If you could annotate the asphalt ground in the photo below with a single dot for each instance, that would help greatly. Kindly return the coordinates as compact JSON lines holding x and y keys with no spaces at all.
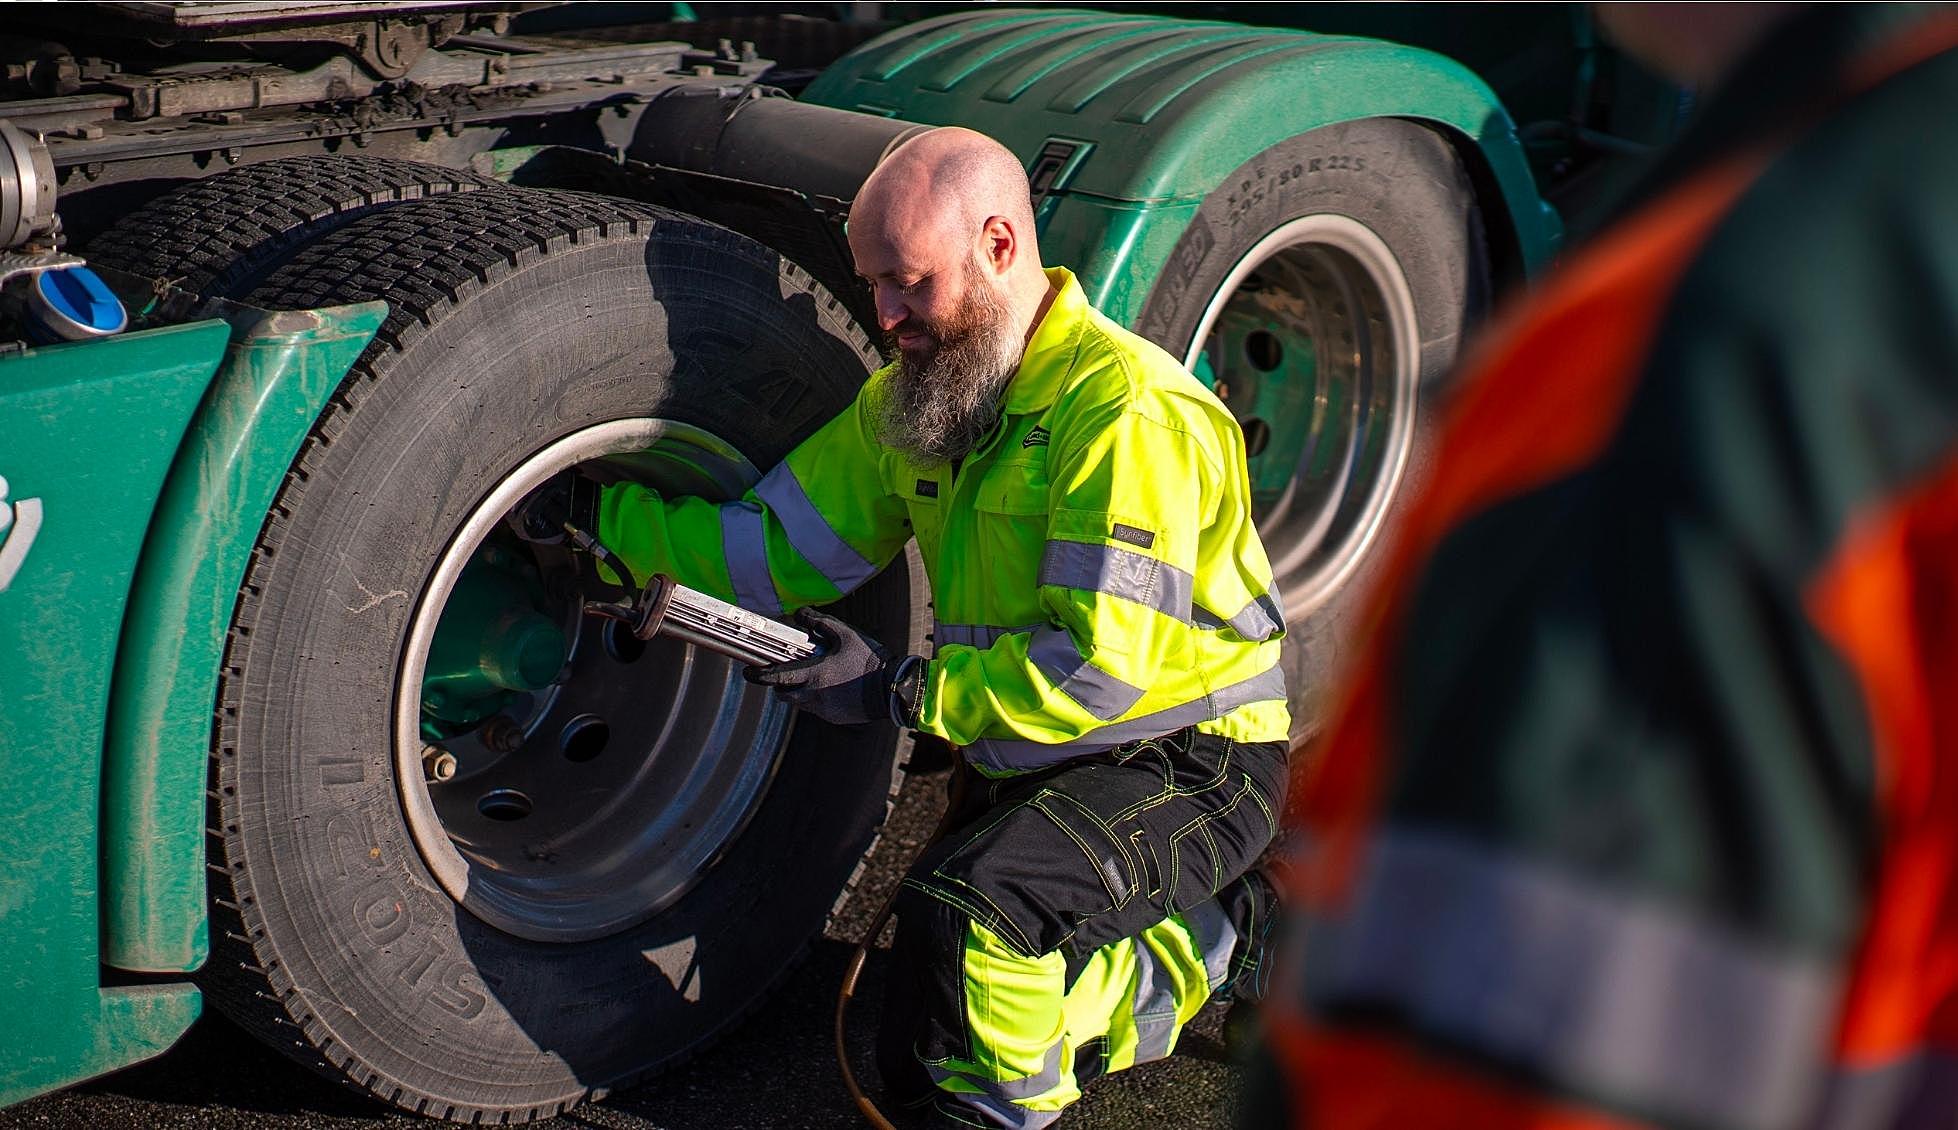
{"x":777,"y":1071}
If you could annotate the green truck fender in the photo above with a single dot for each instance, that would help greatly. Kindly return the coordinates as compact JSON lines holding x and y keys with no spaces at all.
{"x":139,"y":469}
{"x":1126,"y":123}
{"x":280,"y":369}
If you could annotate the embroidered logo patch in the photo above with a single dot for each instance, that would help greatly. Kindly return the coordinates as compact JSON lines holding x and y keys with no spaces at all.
{"x":1142,"y":539}
{"x":927,"y":488}
{"x":1036,"y":438}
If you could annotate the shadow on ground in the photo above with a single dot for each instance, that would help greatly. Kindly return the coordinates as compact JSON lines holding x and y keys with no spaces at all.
{"x":776,"y":1071}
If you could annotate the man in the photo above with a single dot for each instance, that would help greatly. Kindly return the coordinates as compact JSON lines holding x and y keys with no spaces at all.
{"x":1106,"y":647}
{"x":1644,"y":807}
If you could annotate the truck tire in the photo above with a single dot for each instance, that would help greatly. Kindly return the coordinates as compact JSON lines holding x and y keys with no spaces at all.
{"x":221,"y":234}
{"x":646,"y":845}
{"x":1325,"y":287}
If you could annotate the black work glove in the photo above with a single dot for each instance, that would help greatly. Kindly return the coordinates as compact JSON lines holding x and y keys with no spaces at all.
{"x":564,"y":497}
{"x":848,"y":683}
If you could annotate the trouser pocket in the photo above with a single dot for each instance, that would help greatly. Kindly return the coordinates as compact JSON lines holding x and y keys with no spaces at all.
{"x":1034,"y":871}
{"x":1109,"y":845}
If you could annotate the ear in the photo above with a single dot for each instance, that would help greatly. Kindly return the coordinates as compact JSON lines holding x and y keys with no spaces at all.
{"x":999,"y":244}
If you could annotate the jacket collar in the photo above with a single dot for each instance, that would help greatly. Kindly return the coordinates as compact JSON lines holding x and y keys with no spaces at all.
{"x":1050,"y":353}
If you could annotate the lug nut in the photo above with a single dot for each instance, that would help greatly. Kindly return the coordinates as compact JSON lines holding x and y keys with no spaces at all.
{"x":501,"y":734}
{"x":438,"y":764}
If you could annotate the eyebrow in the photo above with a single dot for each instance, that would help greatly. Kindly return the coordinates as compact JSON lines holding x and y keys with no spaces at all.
{"x":900,"y":272}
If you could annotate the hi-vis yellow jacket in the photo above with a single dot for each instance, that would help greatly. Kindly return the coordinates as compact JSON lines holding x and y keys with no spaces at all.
{"x":1096,"y":575}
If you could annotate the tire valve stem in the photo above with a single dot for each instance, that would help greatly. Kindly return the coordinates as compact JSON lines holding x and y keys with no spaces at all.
{"x":596,"y":548}
{"x":438,"y":764}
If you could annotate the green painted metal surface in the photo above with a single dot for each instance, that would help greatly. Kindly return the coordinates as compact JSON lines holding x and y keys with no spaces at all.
{"x":1120,"y":247}
{"x":1171,"y":108}
{"x":117,"y":1027}
{"x":1275,"y":385}
{"x":87,"y":433}
{"x":504,"y":163}
{"x":491,"y":645}
{"x":279,"y":370}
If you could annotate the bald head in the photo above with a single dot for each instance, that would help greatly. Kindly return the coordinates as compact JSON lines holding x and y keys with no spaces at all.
{"x":944,"y":203}
{"x":950,"y":177}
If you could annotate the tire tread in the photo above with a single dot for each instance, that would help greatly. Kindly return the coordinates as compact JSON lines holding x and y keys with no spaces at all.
{"x":424,"y":258}
{"x":214,"y":235}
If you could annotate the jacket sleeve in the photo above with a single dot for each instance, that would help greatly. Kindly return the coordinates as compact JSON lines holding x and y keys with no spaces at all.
{"x":814,"y":528}
{"x":1128,"y":497}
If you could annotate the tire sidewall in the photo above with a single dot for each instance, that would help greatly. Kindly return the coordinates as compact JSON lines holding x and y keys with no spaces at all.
{"x":1405,"y":184}
{"x":691,"y":327}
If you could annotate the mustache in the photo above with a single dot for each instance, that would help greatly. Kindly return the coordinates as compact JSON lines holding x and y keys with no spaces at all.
{"x":934,"y":335}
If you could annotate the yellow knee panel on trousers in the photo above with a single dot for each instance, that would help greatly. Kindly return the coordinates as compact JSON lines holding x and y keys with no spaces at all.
{"x":1025,"y":1023}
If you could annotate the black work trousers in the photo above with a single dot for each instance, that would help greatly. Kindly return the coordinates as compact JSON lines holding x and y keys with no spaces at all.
{"x":1068,"y":860}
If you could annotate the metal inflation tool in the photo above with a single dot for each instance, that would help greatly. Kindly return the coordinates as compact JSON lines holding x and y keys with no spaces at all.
{"x":665,"y":608}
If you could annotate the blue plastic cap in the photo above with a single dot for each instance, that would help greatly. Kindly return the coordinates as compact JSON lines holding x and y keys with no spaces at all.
{"x":74,"y":304}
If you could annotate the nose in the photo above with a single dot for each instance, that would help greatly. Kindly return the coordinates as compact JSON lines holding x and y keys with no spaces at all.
{"x":891,"y":309}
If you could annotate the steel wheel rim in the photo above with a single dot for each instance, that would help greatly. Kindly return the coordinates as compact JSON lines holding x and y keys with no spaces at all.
{"x":1327,"y":289}
{"x":581,"y":832}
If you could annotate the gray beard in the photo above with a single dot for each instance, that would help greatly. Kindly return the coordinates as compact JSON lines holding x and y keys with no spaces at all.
{"x":937,"y":411}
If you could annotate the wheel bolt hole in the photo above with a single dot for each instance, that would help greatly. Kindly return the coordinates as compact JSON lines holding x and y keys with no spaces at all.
{"x":1263,"y":350}
{"x":621,"y":644}
{"x":1257,"y":437}
{"x":584,"y":738}
{"x":504,"y":804}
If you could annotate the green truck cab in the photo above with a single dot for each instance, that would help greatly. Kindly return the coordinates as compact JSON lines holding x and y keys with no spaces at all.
{"x":290,"y":722}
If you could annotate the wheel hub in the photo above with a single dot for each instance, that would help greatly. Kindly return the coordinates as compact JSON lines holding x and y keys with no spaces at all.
{"x":494,"y":643}
{"x":592,"y":778}
{"x":1311,"y":341}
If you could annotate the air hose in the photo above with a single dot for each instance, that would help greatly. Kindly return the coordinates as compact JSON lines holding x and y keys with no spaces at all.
{"x":665,"y":608}
{"x":955,"y":800}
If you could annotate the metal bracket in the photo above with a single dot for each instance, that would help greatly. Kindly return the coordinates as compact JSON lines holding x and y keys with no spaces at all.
{"x":33,"y":262}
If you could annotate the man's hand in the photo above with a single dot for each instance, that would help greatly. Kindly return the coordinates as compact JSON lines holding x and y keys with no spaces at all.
{"x":848,"y":684}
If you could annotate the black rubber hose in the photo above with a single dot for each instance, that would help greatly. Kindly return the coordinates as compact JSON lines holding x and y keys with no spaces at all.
{"x":954,"y":802}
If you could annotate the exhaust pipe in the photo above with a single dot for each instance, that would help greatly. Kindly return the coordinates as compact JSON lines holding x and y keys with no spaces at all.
{"x":813,"y":151}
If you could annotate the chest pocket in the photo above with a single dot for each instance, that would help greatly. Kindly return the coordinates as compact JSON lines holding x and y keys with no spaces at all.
{"x":1016,"y":486}
{"x":1010,"y":520}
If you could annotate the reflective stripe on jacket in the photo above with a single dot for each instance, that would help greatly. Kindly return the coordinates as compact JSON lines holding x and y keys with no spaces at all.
{"x":1093,"y":564}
